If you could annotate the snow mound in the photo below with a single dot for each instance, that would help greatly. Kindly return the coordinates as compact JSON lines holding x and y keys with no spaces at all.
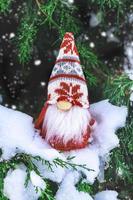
{"x":68,"y":191}
{"x":56,"y":175}
{"x":37,"y":181}
{"x":88,"y":157}
{"x":109,"y":118}
{"x":106,"y":195}
{"x":14,"y":186}
{"x":17,"y":134}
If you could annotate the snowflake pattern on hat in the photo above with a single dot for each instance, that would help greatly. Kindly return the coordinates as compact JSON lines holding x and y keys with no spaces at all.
{"x":68,"y":71}
{"x":67,"y":68}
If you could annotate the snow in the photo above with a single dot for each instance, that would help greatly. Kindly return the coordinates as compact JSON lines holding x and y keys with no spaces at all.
{"x":130,"y":18}
{"x":131,"y":97}
{"x":1,"y":98}
{"x":104,"y":138}
{"x":111,"y":36}
{"x":68,"y":191}
{"x":109,"y":118}
{"x":14,"y":186}
{"x":17,"y":177}
{"x":92,"y":45}
{"x":37,"y":181}
{"x":43,"y":84}
{"x":106,"y":195}
{"x":11,"y":35}
{"x":71,"y":1}
{"x":103,"y":34}
{"x":129,"y":60}
{"x":55,"y":175}
{"x":14,"y":107}
{"x":95,"y":19}
{"x":17,"y":135}
{"x":128,"y":64}
{"x":130,"y":74}
{"x":37,"y":62}
{"x":84,"y":157}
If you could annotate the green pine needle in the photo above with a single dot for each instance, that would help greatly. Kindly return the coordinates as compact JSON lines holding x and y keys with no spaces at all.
{"x":121,"y":157}
{"x":118,"y":89}
{"x":26,"y":35}
{"x":28,"y":161}
{"x":47,"y":193}
{"x":5,"y":6}
{"x":84,"y":187}
{"x":109,"y":3}
{"x":48,"y":10}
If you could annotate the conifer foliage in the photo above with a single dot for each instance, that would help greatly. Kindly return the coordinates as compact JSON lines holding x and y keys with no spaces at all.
{"x":113,"y":77}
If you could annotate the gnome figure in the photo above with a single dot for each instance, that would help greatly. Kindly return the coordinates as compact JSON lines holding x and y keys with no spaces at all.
{"x":65,"y":121}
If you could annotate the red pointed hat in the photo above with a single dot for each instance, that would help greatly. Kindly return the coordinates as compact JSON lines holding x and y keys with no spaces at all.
{"x":67,"y":81}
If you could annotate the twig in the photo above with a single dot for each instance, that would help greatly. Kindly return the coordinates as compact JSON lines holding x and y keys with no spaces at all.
{"x":42,"y":11}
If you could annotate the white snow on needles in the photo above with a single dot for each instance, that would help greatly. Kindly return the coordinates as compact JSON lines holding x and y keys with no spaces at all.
{"x":17,"y":135}
{"x":14,"y":185}
{"x":106,"y":195}
{"x":128,"y":63}
{"x":68,"y":190}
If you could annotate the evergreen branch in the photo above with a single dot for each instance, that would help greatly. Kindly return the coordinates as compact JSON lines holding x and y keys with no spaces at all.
{"x":68,"y":22}
{"x":26,"y":36}
{"x":4,"y":168}
{"x":68,"y":164}
{"x":91,"y":78}
{"x":31,"y":21}
{"x":92,"y":65}
{"x":112,"y":4}
{"x":64,"y":164}
{"x":121,"y":158}
{"x":84,"y":187}
{"x":87,"y":55}
{"x":4,"y":6}
{"x":52,"y":11}
{"x":28,"y":161}
{"x":117,"y":7}
{"x":47,"y":10}
{"x":117,"y":89}
{"x":47,"y":193}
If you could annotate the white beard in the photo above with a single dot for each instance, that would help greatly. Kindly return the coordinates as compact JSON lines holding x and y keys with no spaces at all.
{"x":66,"y":124}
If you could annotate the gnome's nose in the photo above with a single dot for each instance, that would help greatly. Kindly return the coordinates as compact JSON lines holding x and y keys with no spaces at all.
{"x":64,"y":105}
